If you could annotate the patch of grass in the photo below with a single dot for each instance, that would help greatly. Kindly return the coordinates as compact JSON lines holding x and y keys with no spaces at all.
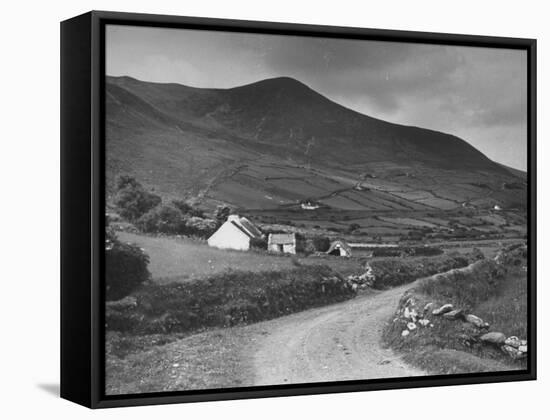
{"x":227,"y":299}
{"x":209,"y":360}
{"x":393,"y":272}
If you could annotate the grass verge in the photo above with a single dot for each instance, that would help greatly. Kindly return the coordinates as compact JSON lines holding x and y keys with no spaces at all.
{"x":225,"y":300}
{"x":493,"y":291}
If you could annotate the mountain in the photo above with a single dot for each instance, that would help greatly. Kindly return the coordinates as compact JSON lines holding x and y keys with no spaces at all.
{"x":237,"y":145}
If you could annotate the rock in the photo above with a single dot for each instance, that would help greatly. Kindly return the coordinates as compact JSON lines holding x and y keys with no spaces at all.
{"x":477,"y":321}
{"x":496,"y":338}
{"x":456,"y":314}
{"x":405,"y":333}
{"x":411,"y":326}
{"x":513,"y":341}
{"x":443,"y":310}
{"x":429,"y":307}
{"x":410,"y":314}
{"x":424,"y":322}
{"x":513,"y":352}
{"x":523,"y":349}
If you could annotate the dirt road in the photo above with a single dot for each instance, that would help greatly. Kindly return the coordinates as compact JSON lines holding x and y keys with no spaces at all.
{"x":338,"y":342}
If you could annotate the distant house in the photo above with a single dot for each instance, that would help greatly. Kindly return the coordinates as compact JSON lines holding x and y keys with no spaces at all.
{"x":339,"y":248}
{"x":309,"y":205}
{"x":235,"y":233}
{"x":282,"y":243}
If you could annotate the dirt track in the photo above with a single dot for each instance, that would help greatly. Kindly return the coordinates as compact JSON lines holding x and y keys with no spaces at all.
{"x":338,"y":342}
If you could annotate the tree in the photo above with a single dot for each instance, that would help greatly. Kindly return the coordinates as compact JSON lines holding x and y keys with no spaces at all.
{"x":132,"y":199}
{"x":222,"y":213}
{"x":163,"y":219}
{"x":125,"y":267}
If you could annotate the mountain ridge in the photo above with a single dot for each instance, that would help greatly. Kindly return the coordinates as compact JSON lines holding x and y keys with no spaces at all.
{"x":229,"y":145}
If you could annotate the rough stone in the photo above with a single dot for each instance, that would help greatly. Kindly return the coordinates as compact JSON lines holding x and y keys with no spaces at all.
{"x":513,"y":341}
{"x":443,"y":309}
{"x":523,"y":349}
{"x":405,"y":333}
{"x":456,"y":314}
{"x":513,"y":352}
{"x":496,"y":338}
{"x":477,"y":321}
{"x":424,"y":322}
{"x":411,"y":326}
{"x":429,"y":307}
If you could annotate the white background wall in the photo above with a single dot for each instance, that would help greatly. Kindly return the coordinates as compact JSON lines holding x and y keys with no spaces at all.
{"x":29,"y":97}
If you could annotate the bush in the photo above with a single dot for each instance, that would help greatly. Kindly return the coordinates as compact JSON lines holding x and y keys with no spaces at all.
{"x":187,"y":208}
{"x":258,"y":243}
{"x":228,"y":299}
{"x":125,"y":267}
{"x":321,"y":243}
{"x":396,"y":271}
{"x":132,"y":200}
{"x":200,"y":227}
{"x":163,"y":219}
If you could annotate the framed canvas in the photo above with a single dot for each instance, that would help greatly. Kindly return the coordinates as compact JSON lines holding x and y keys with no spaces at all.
{"x":254,"y":209}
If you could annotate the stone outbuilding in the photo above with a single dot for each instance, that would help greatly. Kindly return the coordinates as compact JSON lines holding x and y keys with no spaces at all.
{"x":339,"y":248}
{"x":282,"y":243}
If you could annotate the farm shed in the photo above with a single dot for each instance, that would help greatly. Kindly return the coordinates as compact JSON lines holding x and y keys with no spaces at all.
{"x":235,"y":233}
{"x":282,"y":242}
{"x":339,"y":248}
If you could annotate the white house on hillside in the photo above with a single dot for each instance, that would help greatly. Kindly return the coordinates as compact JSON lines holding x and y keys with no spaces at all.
{"x":235,"y":233}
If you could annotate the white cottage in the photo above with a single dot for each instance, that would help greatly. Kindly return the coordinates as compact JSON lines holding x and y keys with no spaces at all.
{"x":235,"y":233}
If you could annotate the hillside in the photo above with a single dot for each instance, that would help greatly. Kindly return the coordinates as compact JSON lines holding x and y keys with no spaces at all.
{"x":273,"y":143}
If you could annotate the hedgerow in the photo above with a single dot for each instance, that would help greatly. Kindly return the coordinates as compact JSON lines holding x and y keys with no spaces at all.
{"x":228,"y":299}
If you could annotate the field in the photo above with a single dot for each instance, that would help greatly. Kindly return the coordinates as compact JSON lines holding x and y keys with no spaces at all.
{"x":175,"y":259}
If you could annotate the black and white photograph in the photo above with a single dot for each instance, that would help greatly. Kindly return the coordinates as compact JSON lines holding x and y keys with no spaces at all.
{"x":287,"y":209}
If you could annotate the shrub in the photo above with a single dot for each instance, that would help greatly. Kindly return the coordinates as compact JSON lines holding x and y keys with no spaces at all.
{"x":321,"y":243}
{"x":200,"y":227}
{"x":396,"y":271}
{"x":132,"y":199}
{"x":187,"y":208}
{"x":163,"y":219}
{"x":227,"y":299}
{"x":258,"y":243}
{"x":125,"y":267}
{"x":221,"y":214}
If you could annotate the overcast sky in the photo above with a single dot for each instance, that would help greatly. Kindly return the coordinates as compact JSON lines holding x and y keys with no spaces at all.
{"x":478,"y":94}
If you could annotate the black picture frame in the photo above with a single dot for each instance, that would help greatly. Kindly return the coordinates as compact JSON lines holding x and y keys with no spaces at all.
{"x":83,"y":203}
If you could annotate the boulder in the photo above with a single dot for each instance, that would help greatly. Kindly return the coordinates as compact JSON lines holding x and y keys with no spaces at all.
{"x":405,"y":333}
{"x":523,"y":349}
{"x":477,"y":321}
{"x":429,"y":307}
{"x":443,"y":309}
{"x":513,"y":352}
{"x":410,"y":314}
{"x":513,"y":341}
{"x":424,"y":322}
{"x":456,"y":314}
{"x":496,"y":338}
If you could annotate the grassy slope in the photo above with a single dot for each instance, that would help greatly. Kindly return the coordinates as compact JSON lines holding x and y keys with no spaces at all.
{"x":212,"y":359}
{"x":183,"y":259}
{"x":452,"y":346}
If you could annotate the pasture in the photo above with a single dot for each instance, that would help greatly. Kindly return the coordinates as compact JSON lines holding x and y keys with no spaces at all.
{"x":174,"y":259}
